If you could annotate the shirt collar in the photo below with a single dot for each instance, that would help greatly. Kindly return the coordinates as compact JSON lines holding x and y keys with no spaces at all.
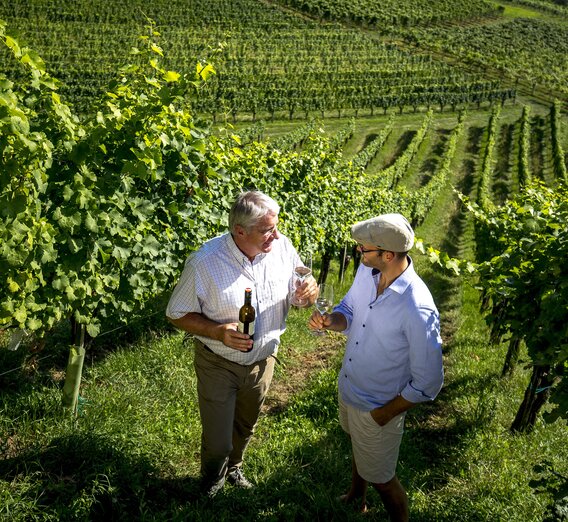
{"x":403,"y":280}
{"x":400,"y":284}
{"x":240,"y":256}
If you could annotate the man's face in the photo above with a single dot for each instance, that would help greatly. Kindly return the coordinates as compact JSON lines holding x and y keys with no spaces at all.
{"x":371,"y":256}
{"x":258,"y":240}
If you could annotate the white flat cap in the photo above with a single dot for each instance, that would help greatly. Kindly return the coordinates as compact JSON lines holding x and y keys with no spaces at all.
{"x":390,"y":232}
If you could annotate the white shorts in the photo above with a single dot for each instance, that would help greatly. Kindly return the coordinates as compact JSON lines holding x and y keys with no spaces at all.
{"x":375,"y":448}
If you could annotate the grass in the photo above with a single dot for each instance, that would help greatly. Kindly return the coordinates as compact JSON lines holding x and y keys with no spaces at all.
{"x":133,"y":451}
{"x":517,"y":11}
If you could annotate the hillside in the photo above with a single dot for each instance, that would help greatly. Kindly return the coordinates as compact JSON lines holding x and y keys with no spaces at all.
{"x":439,"y":110}
{"x":272,"y":62}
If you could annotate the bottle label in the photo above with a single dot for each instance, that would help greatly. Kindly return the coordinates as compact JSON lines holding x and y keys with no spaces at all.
{"x":247,"y":328}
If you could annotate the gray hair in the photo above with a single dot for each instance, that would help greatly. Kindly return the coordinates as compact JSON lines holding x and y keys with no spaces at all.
{"x":249,"y":208}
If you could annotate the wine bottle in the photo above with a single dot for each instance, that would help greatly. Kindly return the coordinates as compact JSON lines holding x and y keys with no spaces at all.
{"x":247,"y":316}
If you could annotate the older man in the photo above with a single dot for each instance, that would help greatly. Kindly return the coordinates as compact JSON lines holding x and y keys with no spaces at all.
{"x":393,"y":356}
{"x":233,"y":371}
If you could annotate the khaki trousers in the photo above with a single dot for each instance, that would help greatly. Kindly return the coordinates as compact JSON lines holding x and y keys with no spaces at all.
{"x":230,"y":397}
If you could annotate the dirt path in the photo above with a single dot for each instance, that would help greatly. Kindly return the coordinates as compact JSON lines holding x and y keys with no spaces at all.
{"x":297,"y":373}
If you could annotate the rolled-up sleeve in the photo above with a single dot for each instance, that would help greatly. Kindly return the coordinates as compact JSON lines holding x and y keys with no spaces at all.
{"x":426,"y":367}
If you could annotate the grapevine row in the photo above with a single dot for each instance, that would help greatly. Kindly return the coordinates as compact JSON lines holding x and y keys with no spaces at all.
{"x":424,"y":198}
{"x":393,"y":12}
{"x":543,"y":6}
{"x":342,"y":136}
{"x":254,"y":132}
{"x":534,"y":51}
{"x":366,"y":156}
{"x":390,"y":176}
{"x":294,"y":139}
{"x":485,"y":176}
{"x":557,"y":151}
{"x":524,"y":147}
{"x":269,"y":63}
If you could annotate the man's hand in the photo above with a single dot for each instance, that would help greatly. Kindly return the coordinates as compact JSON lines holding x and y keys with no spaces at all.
{"x":198,"y":324}
{"x":335,"y":321}
{"x":320,"y":322}
{"x":384,"y":414}
{"x":381,"y":416}
{"x":307,"y":292}
{"x":230,"y":337}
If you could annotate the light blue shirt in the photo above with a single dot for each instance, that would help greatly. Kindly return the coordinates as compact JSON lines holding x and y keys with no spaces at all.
{"x":393,"y":345}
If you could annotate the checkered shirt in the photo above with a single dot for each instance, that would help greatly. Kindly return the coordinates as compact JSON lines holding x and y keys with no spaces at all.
{"x":213,"y":284}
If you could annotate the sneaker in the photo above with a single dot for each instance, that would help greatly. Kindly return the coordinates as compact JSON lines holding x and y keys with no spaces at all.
{"x":236,"y":478}
{"x":210,"y":490}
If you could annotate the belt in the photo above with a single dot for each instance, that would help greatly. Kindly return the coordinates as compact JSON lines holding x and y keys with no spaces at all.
{"x":199,"y":343}
{"x":203,"y":345}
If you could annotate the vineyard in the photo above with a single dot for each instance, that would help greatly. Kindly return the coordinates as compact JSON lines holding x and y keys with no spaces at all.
{"x":117,"y":164}
{"x":268,"y":64}
{"x":402,"y":13}
{"x":534,"y":51}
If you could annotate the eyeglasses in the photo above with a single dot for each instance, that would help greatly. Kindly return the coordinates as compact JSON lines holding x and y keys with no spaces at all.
{"x":366,"y":251}
{"x":269,"y":232}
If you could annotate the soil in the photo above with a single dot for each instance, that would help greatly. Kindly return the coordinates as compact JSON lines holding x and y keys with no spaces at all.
{"x":296,"y":374}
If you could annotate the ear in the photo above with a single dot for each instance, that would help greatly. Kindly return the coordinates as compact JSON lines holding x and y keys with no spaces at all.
{"x":240,"y":230}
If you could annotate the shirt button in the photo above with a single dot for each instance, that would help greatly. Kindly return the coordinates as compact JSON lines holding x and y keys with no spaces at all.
{"x":349,"y":360}
{"x":363,"y":326}
{"x":371,"y":307}
{"x":356,"y":342}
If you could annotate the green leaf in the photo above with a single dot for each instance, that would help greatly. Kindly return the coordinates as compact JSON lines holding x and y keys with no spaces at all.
{"x":20,"y":315}
{"x":151,"y":246}
{"x":67,"y":193}
{"x":13,"y":44}
{"x":91,"y":223}
{"x":434,"y":256}
{"x":121,"y":253}
{"x":171,"y":76}
{"x":204,"y":71}
{"x":152,"y":81}
{"x":34,"y":60}
{"x":157,"y":49}
{"x":61,"y":282}
{"x":20,"y":125}
{"x":33,"y":324}
{"x":452,"y":264}
{"x":93,"y":329}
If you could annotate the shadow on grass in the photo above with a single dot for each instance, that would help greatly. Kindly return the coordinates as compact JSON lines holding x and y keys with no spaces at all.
{"x":85,"y":476}
{"x":502,"y":176}
{"x":401,"y":145}
{"x":29,"y":367}
{"x":474,"y":140}
{"x":444,"y":285}
{"x":430,"y":166}
{"x":369,"y":138}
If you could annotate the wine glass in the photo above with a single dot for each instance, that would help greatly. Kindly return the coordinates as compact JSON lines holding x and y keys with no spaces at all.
{"x":301,"y":273}
{"x":324,"y":302}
